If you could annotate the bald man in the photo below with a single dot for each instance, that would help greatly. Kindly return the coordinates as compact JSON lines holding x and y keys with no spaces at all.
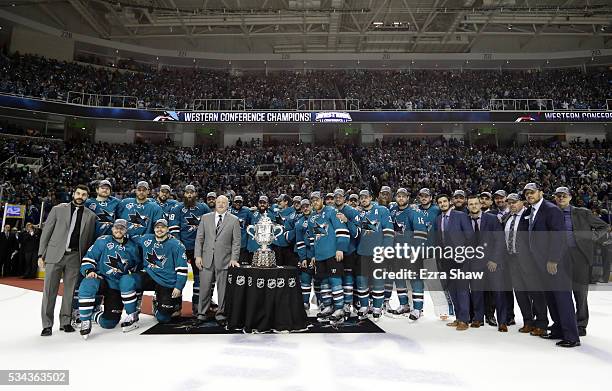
{"x":217,"y":247}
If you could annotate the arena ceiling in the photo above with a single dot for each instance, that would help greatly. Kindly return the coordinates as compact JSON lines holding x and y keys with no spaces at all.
{"x":334,"y":26}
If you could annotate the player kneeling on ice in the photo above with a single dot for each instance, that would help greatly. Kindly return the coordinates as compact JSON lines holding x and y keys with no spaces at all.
{"x":165,"y":270}
{"x":106,"y":268}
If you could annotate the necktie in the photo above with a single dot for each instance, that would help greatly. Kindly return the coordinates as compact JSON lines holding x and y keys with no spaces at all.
{"x":444,"y":225}
{"x":512,"y":236}
{"x":476,"y":227}
{"x":218,"y":224}
{"x":72,"y":224}
{"x":531,"y":215}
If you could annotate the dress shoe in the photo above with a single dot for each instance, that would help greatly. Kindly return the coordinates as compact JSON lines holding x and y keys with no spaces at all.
{"x":462,"y":326}
{"x":511,"y":322}
{"x":582,"y":332}
{"x":526,"y":329}
{"x":502,"y":328}
{"x":222,"y":322}
{"x":537,"y":332}
{"x":551,"y":336}
{"x":67,"y":328}
{"x":454,"y":323}
{"x":476,"y":324}
{"x":568,"y":344}
{"x":491,"y":321}
{"x":46,"y":332}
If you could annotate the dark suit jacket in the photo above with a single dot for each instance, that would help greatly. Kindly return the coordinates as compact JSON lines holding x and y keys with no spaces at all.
{"x":588,"y":229}
{"x":7,"y":245}
{"x":491,"y":237}
{"x":547,"y":235}
{"x":459,"y":231}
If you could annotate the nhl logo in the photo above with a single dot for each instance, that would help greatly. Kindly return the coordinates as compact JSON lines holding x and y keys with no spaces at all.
{"x":260,"y":282}
{"x":92,"y":207}
{"x":147,"y":243}
{"x":184,"y":210}
{"x":230,"y":278}
{"x":110,"y":246}
{"x":240,"y":280}
{"x":250,"y":281}
{"x":292,"y":282}
{"x":280,"y":283}
{"x":272,"y":283}
{"x":129,"y":206}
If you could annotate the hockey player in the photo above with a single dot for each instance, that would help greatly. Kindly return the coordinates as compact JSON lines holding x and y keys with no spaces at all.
{"x":165,"y":270}
{"x":297,"y":205}
{"x":410,"y":228}
{"x":384,"y":196}
{"x":284,"y":215}
{"x":105,"y":207}
{"x":211,"y":199}
{"x":164,"y":201}
{"x":262,"y":209}
{"x":329,"y":239}
{"x":184,"y":220}
{"x":304,"y":253}
{"x":353,"y":200}
{"x":245,"y":216}
{"x":459,"y":201}
{"x":329,"y":199}
{"x":374,"y":228}
{"x":346,"y":213}
{"x":140,"y":212}
{"x":431,"y":212}
{"x":106,"y":268}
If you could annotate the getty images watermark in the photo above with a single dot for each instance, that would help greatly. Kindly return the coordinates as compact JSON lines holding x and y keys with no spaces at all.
{"x":401,"y":253}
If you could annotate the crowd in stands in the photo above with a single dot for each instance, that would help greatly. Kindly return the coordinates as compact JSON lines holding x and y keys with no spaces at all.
{"x":442,"y":165}
{"x":179,"y":89}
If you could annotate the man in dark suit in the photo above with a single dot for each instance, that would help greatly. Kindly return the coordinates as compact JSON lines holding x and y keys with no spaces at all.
{"x":8,"y":245}
{"x":453,"y":229}
{"x":29,"y":240}
{"x":523,"y":271}
{"x":487,"y":235}
{"x":547,"y":246}
{"x":583,"y":229}
{"x":66,"y":236}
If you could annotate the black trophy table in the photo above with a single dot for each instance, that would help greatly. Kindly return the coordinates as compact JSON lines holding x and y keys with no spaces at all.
{"x":263,"y":300}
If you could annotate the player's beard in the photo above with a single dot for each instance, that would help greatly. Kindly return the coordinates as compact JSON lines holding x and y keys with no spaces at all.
{"x":161,"y":237}
{"x":189,"y":202}
{"x":262,"y":209}
{"x":119,"y":239}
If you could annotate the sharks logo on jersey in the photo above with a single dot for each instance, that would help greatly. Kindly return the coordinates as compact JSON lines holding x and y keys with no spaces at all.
{"x":104,"y":216}
{"x":155,"y":261}
{"x":137,"y":219}
{"x":193,"y":221}
{"x":116,"y":264}
{"x":398,"y":227}
{"x":367,"y":224}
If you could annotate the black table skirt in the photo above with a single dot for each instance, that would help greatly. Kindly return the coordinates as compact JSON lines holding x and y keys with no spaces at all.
{"x":259,"y":299}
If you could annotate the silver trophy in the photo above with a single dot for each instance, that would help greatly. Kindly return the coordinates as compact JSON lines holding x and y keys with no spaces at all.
{"x":264,"y":233}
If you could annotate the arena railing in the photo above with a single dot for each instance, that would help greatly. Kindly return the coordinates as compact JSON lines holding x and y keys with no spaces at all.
{"x":521,"y":105}
{"x":347,"y":104}
{"x":100,"y":100}
{"x":218,"y":105}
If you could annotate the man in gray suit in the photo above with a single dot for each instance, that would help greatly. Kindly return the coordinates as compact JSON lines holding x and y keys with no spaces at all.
{"x":65,"y":238}
{"x":583,"y":229}
{"x":217,"y":246}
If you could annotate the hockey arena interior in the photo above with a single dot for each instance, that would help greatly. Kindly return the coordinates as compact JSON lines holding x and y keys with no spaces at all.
{"x":303,"y":194}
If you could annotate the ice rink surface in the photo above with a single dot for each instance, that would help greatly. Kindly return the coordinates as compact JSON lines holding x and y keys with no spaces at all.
{"x":424,"y":355}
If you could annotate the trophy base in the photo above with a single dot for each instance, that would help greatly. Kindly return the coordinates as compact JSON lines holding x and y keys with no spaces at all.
{"x":264,"y":258}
